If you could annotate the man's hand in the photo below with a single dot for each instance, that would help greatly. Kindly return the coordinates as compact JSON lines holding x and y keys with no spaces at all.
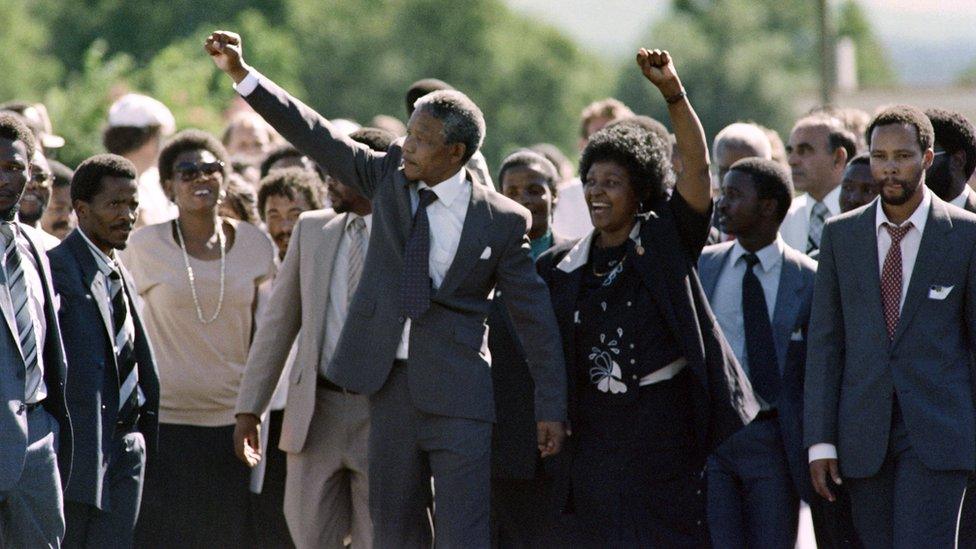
{"x":226,"y":50}
{"x":550,"y":437}
{"x":819,"y":470}
{"x":247,"y":439}
{"x":659,"y":70}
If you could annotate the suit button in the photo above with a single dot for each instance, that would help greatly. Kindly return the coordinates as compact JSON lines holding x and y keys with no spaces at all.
{"x":103,"y":406}
{"x":402,"y":319}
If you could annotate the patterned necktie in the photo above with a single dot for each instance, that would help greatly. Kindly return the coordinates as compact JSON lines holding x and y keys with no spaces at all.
{"x":415,"y":278}
{"x":124,"y":349}
{"x":891,"y":278}
{"x":17,"y":285}
{"x":760,"y":347}
{"x":818,"y":216}
{"x":357,"y":253}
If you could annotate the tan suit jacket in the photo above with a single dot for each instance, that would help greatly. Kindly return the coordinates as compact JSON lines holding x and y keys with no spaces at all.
{"x":298,"y":301}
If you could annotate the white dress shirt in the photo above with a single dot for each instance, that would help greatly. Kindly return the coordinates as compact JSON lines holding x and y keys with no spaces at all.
{"x":909,"y":252}
{"x":446,"y":216}
{"x":795,"y":228}
{"x":35,"y":296}
{"x":338,"y":307}
{"x":727,"y":297}
{"x":960,"y":201}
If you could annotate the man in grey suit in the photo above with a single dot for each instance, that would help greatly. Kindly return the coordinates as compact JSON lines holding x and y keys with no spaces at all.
{"x":955,"y":158}
{"x":760,"y":290}
{"x":35,"y":433}
{"x":415,"y":340}
{"x":889,"y":382}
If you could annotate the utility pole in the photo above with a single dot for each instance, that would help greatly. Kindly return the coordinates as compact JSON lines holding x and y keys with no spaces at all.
{"x":826,"y":53}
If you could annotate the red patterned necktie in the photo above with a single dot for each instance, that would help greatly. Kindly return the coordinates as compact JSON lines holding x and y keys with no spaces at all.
{"x":891,"y":278}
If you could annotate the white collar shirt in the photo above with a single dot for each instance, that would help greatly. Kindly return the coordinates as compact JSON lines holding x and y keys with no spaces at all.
{"x":727,"y":298}
{"x":446,"y":216}
{"x":909,"y":244}
{"x":35,"y":297}
{"x":338,"y":307}
{"x":795,"y":228}
{"x":960,"y":201}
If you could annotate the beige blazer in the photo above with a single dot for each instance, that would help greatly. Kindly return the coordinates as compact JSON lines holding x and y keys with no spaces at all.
{"x":298,"y":300}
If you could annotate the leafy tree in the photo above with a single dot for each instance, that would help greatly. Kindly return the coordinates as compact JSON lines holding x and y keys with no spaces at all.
{"x":873,"y":66}
{"x":26,"y":64}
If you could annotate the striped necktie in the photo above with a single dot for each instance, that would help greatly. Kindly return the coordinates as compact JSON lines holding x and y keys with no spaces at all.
{"x":357,"y":254}
{"x":17,"y":285}
{"x":124,"y":349}
{"x":818,"y":216}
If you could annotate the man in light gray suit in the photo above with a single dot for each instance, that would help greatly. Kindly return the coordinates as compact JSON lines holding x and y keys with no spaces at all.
{"x":415,"y":336}
{"x":35,"y":434}
{"x":888,"y":393}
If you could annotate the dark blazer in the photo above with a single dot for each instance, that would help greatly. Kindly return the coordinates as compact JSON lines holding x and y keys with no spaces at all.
{"x":672,"y":236}
{"x":514,"y":453}
{"x":790,"y":321}
{"x":853,"y":372}
{"x":87,"y":331}
{"x":13,"y":414}
{"x":448,"y":373}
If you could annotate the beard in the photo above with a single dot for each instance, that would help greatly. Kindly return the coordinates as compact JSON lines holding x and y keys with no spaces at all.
{"x":10,"y":213}
{"x":908,"y":190}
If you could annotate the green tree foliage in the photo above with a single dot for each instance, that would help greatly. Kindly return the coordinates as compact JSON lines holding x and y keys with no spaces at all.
{"x":347,"y":58}
{"x":747,"y":59}
{"x":25,"y":53}
{"x":873,"y":66}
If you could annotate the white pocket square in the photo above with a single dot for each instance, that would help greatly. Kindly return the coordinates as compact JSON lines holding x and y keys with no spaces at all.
{"x":939,"y":292}
{"x":797,"y":335}
{"x":487,"y":253}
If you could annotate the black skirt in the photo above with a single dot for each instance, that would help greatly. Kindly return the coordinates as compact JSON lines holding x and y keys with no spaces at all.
{"x":196,"y":491}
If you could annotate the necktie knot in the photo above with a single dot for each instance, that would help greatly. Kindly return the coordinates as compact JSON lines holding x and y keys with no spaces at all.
{"x":897,"y":233}
{"x":819,"y":210}
{"x":427,"y":197}
{"x":751,"y":260}
{"x":357,"y":224}
{"x":7,"y":231}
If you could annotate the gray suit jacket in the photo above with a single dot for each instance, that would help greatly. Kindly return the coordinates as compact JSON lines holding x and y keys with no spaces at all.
{"x":448,"y":370}
{"x":92,"y":386}
{"x":13,"y":413}
{"x":298,"y":302}
{"x":790,"y":322}
{"x":854,"y":373}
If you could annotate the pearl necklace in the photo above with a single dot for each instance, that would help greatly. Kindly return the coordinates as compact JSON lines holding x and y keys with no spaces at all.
{"x":189,"y":272}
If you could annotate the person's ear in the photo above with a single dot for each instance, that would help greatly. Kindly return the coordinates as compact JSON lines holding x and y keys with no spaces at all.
{"x":167,"y":186}
{"x":927,"y":157}
{"x":457,"y":153}
{"x":80,"y":207}
{"x":840,"y":157}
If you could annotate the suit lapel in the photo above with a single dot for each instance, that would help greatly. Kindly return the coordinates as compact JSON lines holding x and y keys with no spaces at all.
{"x":6,"y":304}
{"x":404,"y":208}
{"x":471,"y":244}
{"x":709,"y":271}
{"x":865,"y":258}
{"x":323,"y":263}
{"x":931,"y":249}
{"x":93,"y":279}
{"x":650,"y":239}
{"x":791,"y":286}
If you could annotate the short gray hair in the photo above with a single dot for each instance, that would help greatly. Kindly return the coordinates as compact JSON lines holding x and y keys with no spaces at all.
{"x":462,"y":119}
{"x":744,"y":135}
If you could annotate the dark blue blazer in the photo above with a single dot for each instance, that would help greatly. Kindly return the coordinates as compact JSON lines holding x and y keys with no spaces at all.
{"x":92,"y":384}
{"x":790,"y":320}
{"x":514,"y":443}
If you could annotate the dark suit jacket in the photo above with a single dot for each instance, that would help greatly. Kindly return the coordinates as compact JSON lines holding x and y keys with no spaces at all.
{"x":514,"y":452}
{"x":790,"y":321}
{"x":87,"y":331}
{"x":672,"y":237}
{"x":13,"y":416}
{"x":448,"y":373}
{"x":853,"y":372}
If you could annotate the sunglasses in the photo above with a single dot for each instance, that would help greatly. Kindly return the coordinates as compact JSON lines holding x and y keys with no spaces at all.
{"x":41,"y":179}
{"x":188,"y":171}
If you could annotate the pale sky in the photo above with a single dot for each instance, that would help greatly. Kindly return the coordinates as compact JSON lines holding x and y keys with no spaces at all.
{"x":928,"y":41}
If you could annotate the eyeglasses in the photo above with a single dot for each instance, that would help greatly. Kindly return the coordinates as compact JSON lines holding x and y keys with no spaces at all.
{"x":188,"y":171}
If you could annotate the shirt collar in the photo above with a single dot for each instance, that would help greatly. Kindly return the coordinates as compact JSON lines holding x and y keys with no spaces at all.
{"x":105,"y":263}
{"x":368,"y":218}
{"x":960,"y":201}
{"x":769,"y":257}
{"x":918,"y":217}
{"x":449,"y":189}
{"x":831,"y":200}
{"x":580,"y":253}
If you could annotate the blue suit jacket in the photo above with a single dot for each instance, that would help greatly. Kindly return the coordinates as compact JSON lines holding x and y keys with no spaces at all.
{"x":791,"y":317}
{"x":854,"y":372}
{"x":13,"y":415}
{"x":86,"y":325}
